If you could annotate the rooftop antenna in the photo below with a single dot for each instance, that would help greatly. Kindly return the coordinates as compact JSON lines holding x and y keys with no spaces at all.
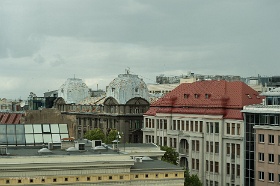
{"x":127,"y":70}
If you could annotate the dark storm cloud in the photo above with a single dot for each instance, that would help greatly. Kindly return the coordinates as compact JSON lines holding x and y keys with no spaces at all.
{"x":96,"y":40}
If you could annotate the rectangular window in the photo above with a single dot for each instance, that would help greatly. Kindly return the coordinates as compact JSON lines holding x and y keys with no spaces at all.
{"x":201,"y":126}
{"x":178,"y":124}
{"x":197,"y":145}
{"x":211,"y":128}
{"x":165,"y":123}
{"x":187,"y":125}
{"x":238,"y":170}
{"x":191,"y":126}
{"x":261,"y":175}
{"x":207,"y":146}
{"x":207,"y":165}
{"x":207,"y":127}
{"x":183,"y":125}
{"x":196,"y":126}
{"x":174,"y":124}
{"x":216,"y":167}
{"x":228,"y":128}
{"x":261,"y":156}
{"x":228,"y":148}
{"x":238,"y":149}
{"x":228,"y":168}
{"x":211,"y":146}
{"x":233,"y":129}
{"x":271,"y":177}
{"x":216,"y":147}
{"x":193,"y":145}
{"x":271,"y":139}
{"x":238,"y":129}
{"x":216,"y":127}
{"x":211,"y":166}
{"x":197,"y":164}
{"x":261,"y":138}
{"x":271,"y":158}
{"x":193,"y":163}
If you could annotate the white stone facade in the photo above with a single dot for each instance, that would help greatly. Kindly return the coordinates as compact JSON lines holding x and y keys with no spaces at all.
{"x":208,"y":145}
{"x":127,"y":86}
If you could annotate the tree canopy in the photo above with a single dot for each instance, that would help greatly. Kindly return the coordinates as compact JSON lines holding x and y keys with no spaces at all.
{"x":170,"y":155}
{"x":111,"y":136}
{"x":192,"y":180}
{"x":95,"y":134}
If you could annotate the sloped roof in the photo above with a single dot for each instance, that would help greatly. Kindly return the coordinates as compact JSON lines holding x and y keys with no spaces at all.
{"x":10,"y":118}
{"x":207,"y":97}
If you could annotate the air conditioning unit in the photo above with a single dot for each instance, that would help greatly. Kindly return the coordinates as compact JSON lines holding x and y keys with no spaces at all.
{"x":50,"y":145}
{"x":96,"y":143}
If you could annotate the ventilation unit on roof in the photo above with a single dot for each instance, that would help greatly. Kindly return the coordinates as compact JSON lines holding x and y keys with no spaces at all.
{"x":50,"y":145}
{"x":96,"y":143}
{"x":80,"y":146}
{"x":3,"y":150}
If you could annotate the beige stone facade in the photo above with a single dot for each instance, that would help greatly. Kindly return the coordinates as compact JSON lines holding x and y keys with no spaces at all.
{"x":267,"y":156}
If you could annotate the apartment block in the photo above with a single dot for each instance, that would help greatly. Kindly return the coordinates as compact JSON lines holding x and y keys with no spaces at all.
{"x":203,"y":122}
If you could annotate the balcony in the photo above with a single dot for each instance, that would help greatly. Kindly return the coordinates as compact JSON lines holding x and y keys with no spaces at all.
{"x":184,"y":151}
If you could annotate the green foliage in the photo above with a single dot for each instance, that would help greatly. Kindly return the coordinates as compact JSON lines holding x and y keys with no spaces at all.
{"x":95,"y":134}
{"x":170,"y":155}
{"x":192,"y":180}
{"x":112,"y":135}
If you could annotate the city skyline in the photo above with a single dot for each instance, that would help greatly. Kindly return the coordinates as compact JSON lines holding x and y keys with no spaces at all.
{"x":45,"y":42}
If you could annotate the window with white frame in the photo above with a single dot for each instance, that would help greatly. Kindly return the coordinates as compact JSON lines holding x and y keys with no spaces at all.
{"x":261,"y":138}
{"x":261,"y":156}
{"x":271,"y":158}
{"x":271,"y":139}
{"x":261,"y":175}
{"x":271,"y":177}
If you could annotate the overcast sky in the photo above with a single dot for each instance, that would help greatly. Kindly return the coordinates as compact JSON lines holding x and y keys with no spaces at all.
{"x":44,"y":42}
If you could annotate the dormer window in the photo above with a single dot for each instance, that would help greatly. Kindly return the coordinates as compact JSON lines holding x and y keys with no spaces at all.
{"x":248,"y":95}
{"x":113,"y":89}
{"x":136,"y":89}
{"x":207,"y":96}
{"x":186,"y":96}
{"x":196,"y":95}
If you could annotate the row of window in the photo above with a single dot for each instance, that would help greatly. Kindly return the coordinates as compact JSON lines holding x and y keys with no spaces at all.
{"x":211,"y":148}
{"x":271,"y":139}
{"x":195,"y":164}
{"x":270,"y":157}
{"x":89,"y":178}
{"x":270,"y":176}
{"x":233,"y":169}
{"x":233,"y":149}
{"x":233,"y":129}
{"x":214,"y":166}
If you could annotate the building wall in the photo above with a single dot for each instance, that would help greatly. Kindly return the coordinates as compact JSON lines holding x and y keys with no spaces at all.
{"x":76,"y":170}
{"x":267,"y":157}
{"x":208,"y":146}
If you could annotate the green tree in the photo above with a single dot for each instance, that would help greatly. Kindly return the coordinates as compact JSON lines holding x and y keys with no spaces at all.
{"x":192,"y":180}
{"x":95,"y":134}
{"x":170,"y":155}
{"x":111,"y":136}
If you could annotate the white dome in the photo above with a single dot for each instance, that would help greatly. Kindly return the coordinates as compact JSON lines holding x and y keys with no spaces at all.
{"x":73,"y":90}
{"x":126,"y":87}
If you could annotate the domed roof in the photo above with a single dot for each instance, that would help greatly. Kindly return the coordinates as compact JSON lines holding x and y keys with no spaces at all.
{"x":73,"y":90}
{"x":127,"y":86}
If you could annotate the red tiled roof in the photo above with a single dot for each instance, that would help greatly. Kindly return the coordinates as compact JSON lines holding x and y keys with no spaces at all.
{"x":10,"y":118}
{"x":207,"y":97}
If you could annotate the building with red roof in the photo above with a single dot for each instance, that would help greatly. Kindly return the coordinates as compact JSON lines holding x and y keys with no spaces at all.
{"x":204,"y":123}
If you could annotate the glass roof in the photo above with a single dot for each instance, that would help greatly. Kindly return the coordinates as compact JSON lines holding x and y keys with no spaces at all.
{"x":32,"y":134}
